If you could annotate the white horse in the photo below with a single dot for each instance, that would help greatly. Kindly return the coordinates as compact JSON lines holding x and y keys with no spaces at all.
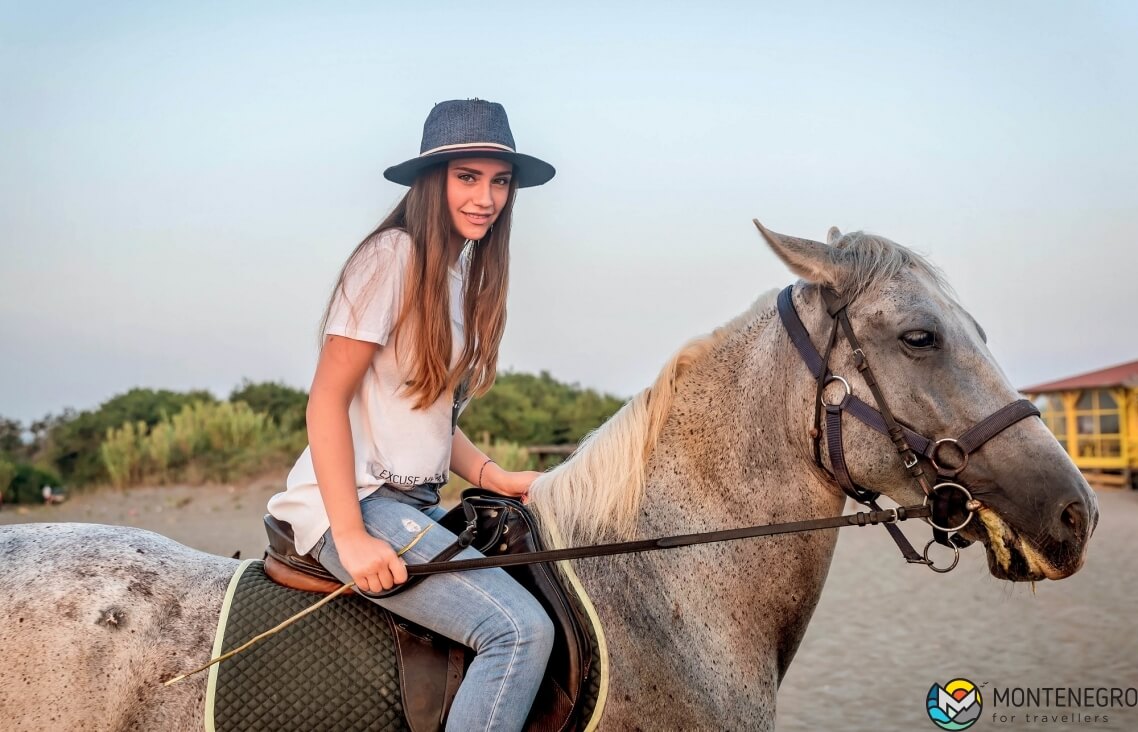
{"x":95,"y":617}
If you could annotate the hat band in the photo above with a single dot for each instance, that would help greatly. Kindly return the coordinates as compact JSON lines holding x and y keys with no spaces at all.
{"x":468,"y":145}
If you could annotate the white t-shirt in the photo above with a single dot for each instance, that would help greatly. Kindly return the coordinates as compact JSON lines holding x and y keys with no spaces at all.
{"x":394,"y":443}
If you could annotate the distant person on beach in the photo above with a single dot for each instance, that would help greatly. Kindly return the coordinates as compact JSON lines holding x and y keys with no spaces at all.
{"x":410,"y":334}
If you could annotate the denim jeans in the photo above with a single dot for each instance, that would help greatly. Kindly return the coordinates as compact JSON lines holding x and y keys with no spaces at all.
{"x":484,"y":609}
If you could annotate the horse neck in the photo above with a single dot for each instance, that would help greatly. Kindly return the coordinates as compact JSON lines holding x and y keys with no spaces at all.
{"x":732,"y":453}
{"x":736,"y":439}
{"x":726,"y":420}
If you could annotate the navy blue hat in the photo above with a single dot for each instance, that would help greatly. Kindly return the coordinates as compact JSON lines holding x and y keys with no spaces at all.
{"x":470,"y":128}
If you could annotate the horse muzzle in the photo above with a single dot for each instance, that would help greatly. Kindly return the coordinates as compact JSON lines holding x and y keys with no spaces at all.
{"x":1047,"y":543}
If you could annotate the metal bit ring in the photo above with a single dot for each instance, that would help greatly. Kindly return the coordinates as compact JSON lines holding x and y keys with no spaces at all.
{"x":968,"y":501}
{"x":941,"y":570}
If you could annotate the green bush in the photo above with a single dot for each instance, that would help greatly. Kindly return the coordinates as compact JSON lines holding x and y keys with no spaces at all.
{"x":74,"y":444}
{"x":537,"y":410}
{"x":217,"y":441}
{"x":11,"y":437}
{"x":27,"y":484}
{"x":7,"y":475}
{"x":192,"y":437}
{"x":284,"y":404}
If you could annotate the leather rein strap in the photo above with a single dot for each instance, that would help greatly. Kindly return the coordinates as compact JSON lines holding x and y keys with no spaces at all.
{"x":909,"y":443}
{"x":887,"y":517}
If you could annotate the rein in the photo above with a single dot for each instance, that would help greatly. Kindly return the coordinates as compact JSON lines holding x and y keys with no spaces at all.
{"x":887,"y":517}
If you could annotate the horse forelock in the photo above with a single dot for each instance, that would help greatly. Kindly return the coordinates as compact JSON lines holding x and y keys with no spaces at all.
{"x":598,"y":491}
{"x":866,"y":262}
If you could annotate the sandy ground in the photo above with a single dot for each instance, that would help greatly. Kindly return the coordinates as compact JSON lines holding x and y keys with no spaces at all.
{"x":220,"y":519}
{"x":883,"y":632}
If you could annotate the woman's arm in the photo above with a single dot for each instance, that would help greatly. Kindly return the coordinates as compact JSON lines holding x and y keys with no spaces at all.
{"x":343,"y":362}
{"x":472,"y":464}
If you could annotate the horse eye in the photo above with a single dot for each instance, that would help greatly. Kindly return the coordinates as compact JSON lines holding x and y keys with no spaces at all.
{"x":919,"y":339}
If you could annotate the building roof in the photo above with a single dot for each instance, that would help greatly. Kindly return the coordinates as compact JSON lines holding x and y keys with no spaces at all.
{"x":1122,"y":374}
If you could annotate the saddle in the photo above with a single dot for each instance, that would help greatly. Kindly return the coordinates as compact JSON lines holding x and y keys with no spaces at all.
{"x":432,"y":667}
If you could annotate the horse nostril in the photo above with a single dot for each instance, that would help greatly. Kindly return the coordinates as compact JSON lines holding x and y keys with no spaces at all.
{"x":1074,"y":517}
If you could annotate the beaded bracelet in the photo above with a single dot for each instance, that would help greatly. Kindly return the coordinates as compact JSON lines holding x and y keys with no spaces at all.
{"x":488,"y":461}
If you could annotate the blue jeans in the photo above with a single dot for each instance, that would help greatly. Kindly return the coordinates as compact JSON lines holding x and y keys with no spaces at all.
{"x":484,"y":609}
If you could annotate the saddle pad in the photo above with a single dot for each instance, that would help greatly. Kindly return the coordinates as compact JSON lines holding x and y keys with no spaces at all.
{"x":594,"y":693}
{"x":335,"y":669}
{"x":332,"y":670}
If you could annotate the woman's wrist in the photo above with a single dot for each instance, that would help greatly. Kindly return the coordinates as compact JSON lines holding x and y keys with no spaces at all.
{"x":488,"y":474}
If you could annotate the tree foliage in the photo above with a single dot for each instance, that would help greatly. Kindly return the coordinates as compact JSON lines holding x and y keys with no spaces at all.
{"x":74,"y":444}
{"x":27,"y":482}
{"x":284,"y":404}
{"x":205,"y":441}
{"x":537,"y":410}
{"x":11,"y":437}
{"x":162,"y":435}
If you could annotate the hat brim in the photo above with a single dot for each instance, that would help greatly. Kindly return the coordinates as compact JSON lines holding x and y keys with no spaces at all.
{"x":528,"y":170}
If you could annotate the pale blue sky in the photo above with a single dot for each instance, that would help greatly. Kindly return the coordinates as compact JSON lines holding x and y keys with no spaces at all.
{"x":178,"y":187}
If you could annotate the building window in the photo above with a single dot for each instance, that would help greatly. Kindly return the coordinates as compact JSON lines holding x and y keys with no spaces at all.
{"x":1098,"y":423}
{"x":1054,"y":416}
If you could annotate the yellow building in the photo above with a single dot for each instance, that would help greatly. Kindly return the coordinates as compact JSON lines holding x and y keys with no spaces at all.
{"x":1095,"y":417}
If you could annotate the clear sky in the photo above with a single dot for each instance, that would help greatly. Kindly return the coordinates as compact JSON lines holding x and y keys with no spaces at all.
{"x":178,"y":187}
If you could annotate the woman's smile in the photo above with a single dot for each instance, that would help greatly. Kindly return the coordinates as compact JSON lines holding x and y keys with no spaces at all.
{"x":477,"y":190}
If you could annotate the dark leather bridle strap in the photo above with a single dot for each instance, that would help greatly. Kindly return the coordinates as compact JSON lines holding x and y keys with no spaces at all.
{"x":798,"y":334}
{"x":837,"y":307}
{"x":994,"y":424}
{"x":908,"y":442}
{"x":969,"y":442}
{"x":871,"y":418}
{"x":814,"y":362}
{"x":842,"y":474}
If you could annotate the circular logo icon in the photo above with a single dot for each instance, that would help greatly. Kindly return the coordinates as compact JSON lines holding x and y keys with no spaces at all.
{"x":956,"y":705}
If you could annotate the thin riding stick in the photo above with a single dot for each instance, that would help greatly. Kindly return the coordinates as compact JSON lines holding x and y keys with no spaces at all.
{"x":284,"y":624}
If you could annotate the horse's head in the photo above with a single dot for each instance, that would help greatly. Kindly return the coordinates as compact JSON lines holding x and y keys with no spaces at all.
{"x":1034,"y":510}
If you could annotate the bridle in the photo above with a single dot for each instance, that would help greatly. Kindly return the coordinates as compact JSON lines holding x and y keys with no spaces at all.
{"x":946,"y":494}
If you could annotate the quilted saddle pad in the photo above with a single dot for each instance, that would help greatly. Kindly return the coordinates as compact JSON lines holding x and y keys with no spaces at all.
{"x":333,"y":670}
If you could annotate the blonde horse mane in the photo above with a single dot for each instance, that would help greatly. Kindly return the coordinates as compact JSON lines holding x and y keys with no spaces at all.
{"x":598,"y":491}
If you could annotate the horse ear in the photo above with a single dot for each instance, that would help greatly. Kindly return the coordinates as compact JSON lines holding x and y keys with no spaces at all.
{"x":808,"y":259}
{"x":833,"y":235}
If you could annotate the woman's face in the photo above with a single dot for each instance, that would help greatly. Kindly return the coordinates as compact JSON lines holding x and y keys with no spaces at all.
{"x":477,"y":189}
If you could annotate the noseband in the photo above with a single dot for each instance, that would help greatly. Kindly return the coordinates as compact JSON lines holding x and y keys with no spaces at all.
{"x":911,"y":445}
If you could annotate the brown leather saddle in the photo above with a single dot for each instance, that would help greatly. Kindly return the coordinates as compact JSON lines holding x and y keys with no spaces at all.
{"x":431,"y":666}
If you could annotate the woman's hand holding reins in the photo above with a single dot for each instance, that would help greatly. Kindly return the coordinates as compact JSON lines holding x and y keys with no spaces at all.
{"x":372,"y":562}
{"x":508,"y":483}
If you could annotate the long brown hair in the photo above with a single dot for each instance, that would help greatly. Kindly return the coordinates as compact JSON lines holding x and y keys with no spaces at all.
{"x":424,"y":315}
